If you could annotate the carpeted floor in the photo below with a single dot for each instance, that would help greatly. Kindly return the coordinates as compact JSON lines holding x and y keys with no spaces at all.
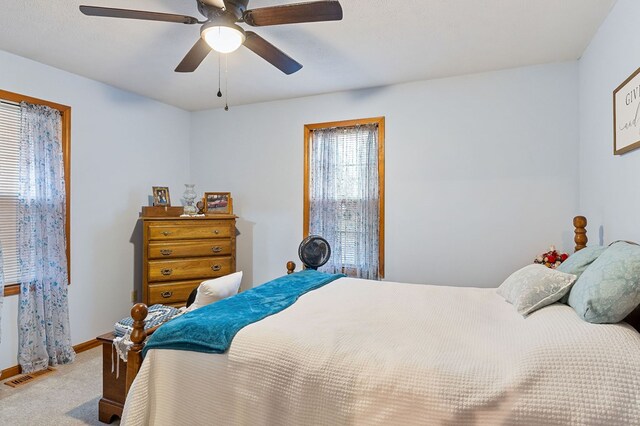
{"x":68,"y":396}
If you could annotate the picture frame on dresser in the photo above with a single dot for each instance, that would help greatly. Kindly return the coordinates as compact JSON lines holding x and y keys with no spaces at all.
{"x":161,"y":196}
{"x":218,"y":203}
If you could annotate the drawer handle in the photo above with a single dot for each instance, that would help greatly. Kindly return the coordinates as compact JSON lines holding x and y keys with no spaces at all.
{"x":216,"y":231}
{"x":166,"y":294}
{"x":216,"y":267}
{"x":166,"y":271}
{"x":166,"y":233}
{"x":166,"y":252}
{"x":216,"y":249}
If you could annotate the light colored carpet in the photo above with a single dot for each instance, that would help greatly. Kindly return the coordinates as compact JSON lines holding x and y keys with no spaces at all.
{"x":68,"y":396}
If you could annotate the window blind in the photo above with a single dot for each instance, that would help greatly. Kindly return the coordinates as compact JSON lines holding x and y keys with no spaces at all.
{"x":9,"y":173}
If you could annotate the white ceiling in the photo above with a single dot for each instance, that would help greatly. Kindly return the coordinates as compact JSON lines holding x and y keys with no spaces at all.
{"x":379,"y":42}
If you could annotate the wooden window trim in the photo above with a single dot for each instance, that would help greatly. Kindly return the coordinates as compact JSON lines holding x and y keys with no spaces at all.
{"x":308,"y":128}
{"x":65,"y":113}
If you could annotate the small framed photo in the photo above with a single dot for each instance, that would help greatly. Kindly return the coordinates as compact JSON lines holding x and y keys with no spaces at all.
{"x":161,"y":196}
{"x":218,"y":203}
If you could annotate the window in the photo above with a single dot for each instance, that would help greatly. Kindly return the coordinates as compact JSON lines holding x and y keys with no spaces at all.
{"x":9,"y":169}
{"x":344,"y":193}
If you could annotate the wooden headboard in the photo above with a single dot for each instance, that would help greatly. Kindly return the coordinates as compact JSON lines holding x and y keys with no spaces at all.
{"x":580,"y":232}
{"x":580,"y":238}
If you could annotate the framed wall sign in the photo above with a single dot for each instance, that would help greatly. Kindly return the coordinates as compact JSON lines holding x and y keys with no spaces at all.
{"x":626,"y":115}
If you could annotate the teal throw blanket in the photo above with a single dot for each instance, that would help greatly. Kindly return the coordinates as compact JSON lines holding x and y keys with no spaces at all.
{"x":211,"y":328}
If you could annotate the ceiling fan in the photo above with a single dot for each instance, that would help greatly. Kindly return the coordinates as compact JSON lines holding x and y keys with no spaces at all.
{"x":221,"y":33}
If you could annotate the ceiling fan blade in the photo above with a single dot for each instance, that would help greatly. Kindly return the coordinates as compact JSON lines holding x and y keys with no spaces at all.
{"x":294,"y":13}
{"x":137,"y":14}
{"x":270,"y":53}
{"x":194,"y":57}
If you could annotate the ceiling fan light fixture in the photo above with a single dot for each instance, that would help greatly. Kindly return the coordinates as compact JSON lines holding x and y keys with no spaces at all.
{"x":223,"y":38}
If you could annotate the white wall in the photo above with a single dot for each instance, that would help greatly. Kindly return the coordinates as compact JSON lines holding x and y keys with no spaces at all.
{"x":609,"y":185}
{"x":121,"y":145}
{"x":481,"y":172}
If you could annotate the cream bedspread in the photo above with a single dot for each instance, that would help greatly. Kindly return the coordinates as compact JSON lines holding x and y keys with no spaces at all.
{"x":372,"y":353}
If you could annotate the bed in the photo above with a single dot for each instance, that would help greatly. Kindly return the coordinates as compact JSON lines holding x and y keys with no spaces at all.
{"x":366,"y":352}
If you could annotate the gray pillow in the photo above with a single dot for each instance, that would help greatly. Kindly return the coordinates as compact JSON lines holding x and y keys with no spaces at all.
{"x":609,"y":289}
{"x":580,"y":260}
{"x":534,"y":287}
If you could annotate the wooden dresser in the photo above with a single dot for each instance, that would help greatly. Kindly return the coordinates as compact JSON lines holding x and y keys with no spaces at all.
{"x":179,"y":253}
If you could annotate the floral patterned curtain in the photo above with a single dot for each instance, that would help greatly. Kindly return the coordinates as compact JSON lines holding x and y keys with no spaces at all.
{"x":43,"y":313}
{"x":344,"y":197}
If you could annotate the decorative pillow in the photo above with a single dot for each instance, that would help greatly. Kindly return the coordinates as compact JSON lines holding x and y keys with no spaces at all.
{"x":157,"y":314}
{"x":580,"y":260}
{"x":609,"y":289}
{"x":534,"y":287}
{"x":216,"y":289}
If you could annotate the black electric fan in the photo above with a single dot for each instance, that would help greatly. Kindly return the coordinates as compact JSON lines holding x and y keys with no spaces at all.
{"x":314,"y":251}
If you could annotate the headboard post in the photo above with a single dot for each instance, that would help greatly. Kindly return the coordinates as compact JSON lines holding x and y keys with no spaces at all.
{"x":138,"y":336}
{"x":291,"y":267}
{"x":580,"y":223}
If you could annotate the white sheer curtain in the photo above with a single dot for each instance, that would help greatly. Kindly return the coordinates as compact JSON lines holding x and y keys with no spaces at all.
{"x":43,"y":315}
{"x":344,"y":203}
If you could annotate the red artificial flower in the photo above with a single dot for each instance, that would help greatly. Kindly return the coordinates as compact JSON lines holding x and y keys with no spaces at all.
{"x":551,"y":259}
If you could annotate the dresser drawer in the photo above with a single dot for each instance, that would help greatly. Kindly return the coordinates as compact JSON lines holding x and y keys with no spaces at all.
{"x":170,"y":293}
{"x":184,"y":269}
{"x":169,"y":250}
{"x":180,"y":231}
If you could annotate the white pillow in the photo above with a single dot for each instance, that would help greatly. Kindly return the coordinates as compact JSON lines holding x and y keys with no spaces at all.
{"x":216,"y":289}
{"x":534,"y":287}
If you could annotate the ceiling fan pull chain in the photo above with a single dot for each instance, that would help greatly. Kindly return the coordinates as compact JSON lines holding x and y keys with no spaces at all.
{"x":226,"y":82}
{"x":219,"y":71}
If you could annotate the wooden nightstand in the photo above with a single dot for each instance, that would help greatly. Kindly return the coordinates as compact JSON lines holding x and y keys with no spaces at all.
{"x":113,"y":389}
